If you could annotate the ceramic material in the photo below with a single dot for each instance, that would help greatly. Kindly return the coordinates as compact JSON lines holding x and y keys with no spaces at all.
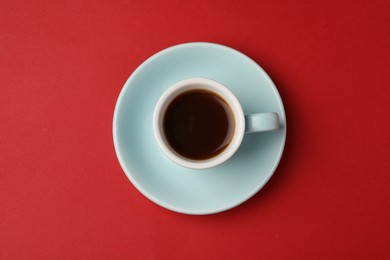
{"x":251,"y":123}
{"x":188,"y":190}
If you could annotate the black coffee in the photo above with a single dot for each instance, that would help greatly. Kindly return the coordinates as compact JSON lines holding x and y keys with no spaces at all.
{"x":198,"y":124}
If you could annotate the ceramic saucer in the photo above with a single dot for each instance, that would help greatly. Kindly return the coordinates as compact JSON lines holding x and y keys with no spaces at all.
{"x":175,"y":187}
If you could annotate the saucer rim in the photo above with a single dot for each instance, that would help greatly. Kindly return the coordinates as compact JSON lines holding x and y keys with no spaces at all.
{"x":121,"y":160}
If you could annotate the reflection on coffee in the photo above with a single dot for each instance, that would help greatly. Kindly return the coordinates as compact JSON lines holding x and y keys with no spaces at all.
{"x":198,"y":124}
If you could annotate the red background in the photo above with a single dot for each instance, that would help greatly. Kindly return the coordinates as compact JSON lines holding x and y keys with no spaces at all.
{"x":63,"y":194}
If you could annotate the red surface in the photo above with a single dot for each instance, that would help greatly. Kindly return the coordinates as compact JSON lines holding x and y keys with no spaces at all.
{"x":63,"y":194}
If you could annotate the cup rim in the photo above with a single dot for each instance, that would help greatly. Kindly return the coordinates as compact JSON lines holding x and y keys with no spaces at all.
{"x":210,"y":85}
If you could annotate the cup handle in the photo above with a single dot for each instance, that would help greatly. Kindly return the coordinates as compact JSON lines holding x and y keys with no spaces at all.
{"x":261,"y":122}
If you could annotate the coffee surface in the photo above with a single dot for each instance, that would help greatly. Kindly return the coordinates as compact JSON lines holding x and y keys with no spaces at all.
{"x":198,"y":124}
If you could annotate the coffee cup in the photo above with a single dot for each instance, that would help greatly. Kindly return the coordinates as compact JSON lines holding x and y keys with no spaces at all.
{"x":199,"y":123}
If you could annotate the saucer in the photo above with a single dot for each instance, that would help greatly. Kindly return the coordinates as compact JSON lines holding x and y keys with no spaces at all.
{"x":178,"y":188}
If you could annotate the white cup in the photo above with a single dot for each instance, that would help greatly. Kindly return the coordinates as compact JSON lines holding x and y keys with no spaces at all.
{"x":243,"y":123}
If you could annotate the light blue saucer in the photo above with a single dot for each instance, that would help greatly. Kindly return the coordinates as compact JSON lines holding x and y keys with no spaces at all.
{"x":175,"y":187}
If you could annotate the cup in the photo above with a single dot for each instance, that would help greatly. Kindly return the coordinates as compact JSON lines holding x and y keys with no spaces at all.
{"x":242,"y":124}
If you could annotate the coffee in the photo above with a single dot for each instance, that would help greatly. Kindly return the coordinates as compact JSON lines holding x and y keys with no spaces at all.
{"x":198,"y":124}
